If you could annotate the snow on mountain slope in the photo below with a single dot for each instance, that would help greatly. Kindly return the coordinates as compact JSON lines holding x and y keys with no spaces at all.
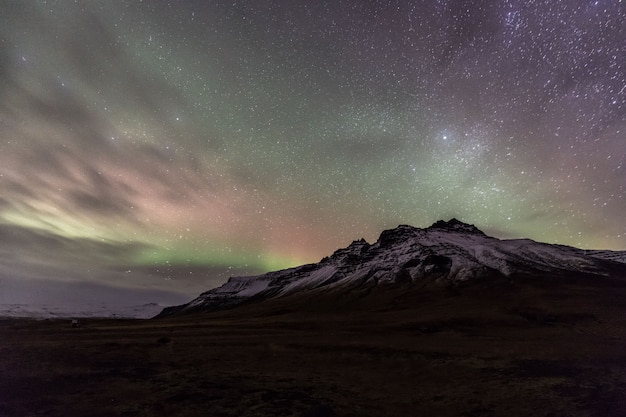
{"x":617,"y":256}
{"x":444,"y":253}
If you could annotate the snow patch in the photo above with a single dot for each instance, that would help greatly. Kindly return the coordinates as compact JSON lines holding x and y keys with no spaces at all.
{"x":314,"y":279}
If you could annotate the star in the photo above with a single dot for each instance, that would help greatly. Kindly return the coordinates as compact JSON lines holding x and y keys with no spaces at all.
{"x":241,"y":138}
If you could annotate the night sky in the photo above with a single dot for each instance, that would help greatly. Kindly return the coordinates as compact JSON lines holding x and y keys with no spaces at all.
{"x":149,"y":150}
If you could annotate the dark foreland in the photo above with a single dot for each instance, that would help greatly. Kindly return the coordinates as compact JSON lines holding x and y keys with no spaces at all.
{"x":427,"y":338}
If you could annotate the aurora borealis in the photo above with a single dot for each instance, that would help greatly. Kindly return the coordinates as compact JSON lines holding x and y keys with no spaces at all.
{"x":159,"y":147}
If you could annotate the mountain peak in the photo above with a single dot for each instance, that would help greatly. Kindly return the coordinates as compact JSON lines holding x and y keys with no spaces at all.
{"x":456,"y":225}
{"x":400,"y":233}
{"x":404,"y":231}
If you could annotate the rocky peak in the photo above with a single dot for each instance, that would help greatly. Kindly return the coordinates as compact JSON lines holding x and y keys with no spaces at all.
{"x":351,"y":253}
{"x":399,"y":234}
{"x":405,"y":232}
{"x":454,"y":225}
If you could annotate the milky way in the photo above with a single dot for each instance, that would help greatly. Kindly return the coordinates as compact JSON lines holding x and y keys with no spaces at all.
{"x":164,"y":146}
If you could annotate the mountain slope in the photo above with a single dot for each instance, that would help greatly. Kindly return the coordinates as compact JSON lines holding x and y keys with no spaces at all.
{"x":444,"y":254}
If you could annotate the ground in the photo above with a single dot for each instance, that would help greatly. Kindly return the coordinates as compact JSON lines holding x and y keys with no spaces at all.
{"x":523,"y":350}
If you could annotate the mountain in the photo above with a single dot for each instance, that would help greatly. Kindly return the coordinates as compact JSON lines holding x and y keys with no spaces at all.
{"x":447,"y":254}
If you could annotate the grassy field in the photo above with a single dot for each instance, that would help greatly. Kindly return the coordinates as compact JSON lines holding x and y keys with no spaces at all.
{"x":524,"y":350}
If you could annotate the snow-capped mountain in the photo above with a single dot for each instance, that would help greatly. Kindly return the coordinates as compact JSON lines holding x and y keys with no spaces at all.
{"x":446,"y":253}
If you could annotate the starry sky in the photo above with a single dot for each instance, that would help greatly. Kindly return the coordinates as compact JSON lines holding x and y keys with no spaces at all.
{"x":151,"y":149}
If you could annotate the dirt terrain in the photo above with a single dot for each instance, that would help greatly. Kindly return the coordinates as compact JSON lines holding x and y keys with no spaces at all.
{"x":516,"y":350}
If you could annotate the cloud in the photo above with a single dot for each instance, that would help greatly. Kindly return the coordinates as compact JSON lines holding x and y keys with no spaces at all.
{"x":32,"y":258}
{"x":21,"y":246}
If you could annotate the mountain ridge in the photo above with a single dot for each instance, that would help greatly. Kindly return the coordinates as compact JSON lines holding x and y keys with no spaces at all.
{"x":446,"y":254}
